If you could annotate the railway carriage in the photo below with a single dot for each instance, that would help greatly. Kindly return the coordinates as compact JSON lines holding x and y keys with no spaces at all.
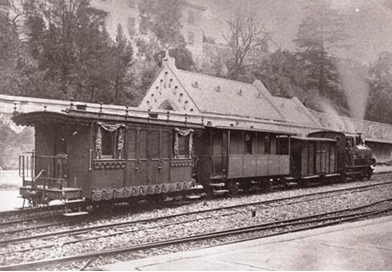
{"x":81,"y":155}
{"x":354,"y":157}
{"x":313,"y":159}
{"x":232,"y":157}
{"x":91,"y":157}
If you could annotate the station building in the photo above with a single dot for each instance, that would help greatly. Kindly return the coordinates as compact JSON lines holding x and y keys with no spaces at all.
{"x":226,"y":102}
{"x":177,"y":94}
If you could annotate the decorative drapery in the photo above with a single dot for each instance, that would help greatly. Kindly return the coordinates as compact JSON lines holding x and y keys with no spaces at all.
{"x":120,"y":144}
{"x":183,"y":133}
{"x":110,"y":128}
{"x":98,"y":142}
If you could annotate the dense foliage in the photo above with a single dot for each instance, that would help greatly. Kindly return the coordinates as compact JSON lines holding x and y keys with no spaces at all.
{"x":62,"y":50}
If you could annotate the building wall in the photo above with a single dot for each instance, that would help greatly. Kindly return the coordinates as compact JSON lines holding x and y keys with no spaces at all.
{"x":382,"y":152}
{"x":126,"y":13}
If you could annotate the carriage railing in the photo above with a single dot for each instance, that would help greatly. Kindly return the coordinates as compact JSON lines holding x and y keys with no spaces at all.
{"x":44,"y":170}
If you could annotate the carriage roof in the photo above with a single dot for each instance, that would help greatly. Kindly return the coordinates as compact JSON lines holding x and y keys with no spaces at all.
{"x":83,"y":117}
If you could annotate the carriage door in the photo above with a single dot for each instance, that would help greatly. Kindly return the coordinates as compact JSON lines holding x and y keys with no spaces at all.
{"x":58,"y":173}
{"x":131,"y":163}
{"x":159,"y":156}
{"x":165,"y":151}
{"x":154,"y":157}
{"x":142,"y":173}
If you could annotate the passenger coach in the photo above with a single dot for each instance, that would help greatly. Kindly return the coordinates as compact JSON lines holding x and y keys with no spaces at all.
{"x":95,"y":156}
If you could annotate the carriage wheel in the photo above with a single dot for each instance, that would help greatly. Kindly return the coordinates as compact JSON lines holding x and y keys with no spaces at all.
{"x":304,"y":183}
{"x":233,"y":188}
{"x":369,"y":174}
{"x":265,"y":186}
{"x":246,"y":185}
{"x":209,"y":190}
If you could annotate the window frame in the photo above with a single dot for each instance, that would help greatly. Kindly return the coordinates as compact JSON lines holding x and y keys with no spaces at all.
{"x":113,"y":144}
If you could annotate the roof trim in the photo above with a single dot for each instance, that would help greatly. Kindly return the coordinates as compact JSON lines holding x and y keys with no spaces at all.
{"x":83,"y":117}
{"x":255,"y":130}
{"x":314,"y":139}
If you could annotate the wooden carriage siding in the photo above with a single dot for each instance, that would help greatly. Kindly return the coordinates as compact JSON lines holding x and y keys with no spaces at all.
{"x":179,"y":95}
{"x":145,"y":146}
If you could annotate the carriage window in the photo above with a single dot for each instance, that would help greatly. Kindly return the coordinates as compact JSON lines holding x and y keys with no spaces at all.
{"x":248,"y":144}
{"x":61,"y":145}
{"x":107,"y":143}
{"x":183,"y":143}
{"x":183,"y":146}
{"x":267,"y":145}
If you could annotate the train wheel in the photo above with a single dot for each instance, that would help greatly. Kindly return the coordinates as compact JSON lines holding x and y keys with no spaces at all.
{"x":246,"y":186}
{"x":209,"y":190}
{"x":132,"y":202}
{"x":265,"y":186}
{"x":369,"y":174}
{"x":304,"y":183}
{"x":155,"y":199}
{"x":233,"y":189}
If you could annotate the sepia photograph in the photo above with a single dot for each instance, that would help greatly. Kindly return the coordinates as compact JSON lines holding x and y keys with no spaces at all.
{"x":195,"y":135}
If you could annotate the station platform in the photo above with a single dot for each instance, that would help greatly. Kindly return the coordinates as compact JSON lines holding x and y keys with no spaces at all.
{"x":364,"y":245}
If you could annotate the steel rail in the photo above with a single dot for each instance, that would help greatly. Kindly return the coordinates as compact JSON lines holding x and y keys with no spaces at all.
{"x":47,"y":225}
{"x":131,"y":222}
{"x":188,"y":221}
{"x":212,"y":235}
{"x":60,"y":206}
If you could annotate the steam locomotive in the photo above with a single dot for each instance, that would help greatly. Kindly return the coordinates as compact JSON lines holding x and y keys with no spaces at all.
{"x":91,"y":157}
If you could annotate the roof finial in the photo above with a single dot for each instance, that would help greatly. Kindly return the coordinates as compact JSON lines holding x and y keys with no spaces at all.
{"x":167,"y":60}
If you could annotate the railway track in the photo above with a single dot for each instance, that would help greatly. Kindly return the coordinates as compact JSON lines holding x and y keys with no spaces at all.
{"x":257,"y":231}
{"x":59,"y":207}
{"x":295,"y":199}
{"x":41,"y":211}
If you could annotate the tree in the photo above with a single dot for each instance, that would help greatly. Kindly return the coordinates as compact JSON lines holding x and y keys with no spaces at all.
{"x":161,"y":23}
{"x":17,"y":68}
{"x":245,"y":34}
{"x":69,"y":41}
{"x":122,"y":61}
{"x":380,"y":96}
{"x":16,"y":11}
{"x":279,"y":71}
{"x":320,"y":36}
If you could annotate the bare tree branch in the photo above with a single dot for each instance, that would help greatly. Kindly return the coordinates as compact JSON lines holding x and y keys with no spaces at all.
{"x":245,"y":34}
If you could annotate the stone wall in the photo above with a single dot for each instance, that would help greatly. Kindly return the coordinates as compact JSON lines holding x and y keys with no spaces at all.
{"x":372,"y":131}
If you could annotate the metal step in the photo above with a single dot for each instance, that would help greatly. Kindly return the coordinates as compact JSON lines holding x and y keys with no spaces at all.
{"x":291,"y":183}
{"x":75,"y":213}
{"x":220,"y":192}
{"x":217,"y":185}
{"x":72,"y":201}
{"x":191,"y":197}
{"x":197,"y":187}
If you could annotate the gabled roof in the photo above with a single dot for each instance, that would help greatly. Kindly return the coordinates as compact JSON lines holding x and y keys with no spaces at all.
{"x":228,"y":97}
{"x":294,"y":111}
{"x":203,"y":95}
